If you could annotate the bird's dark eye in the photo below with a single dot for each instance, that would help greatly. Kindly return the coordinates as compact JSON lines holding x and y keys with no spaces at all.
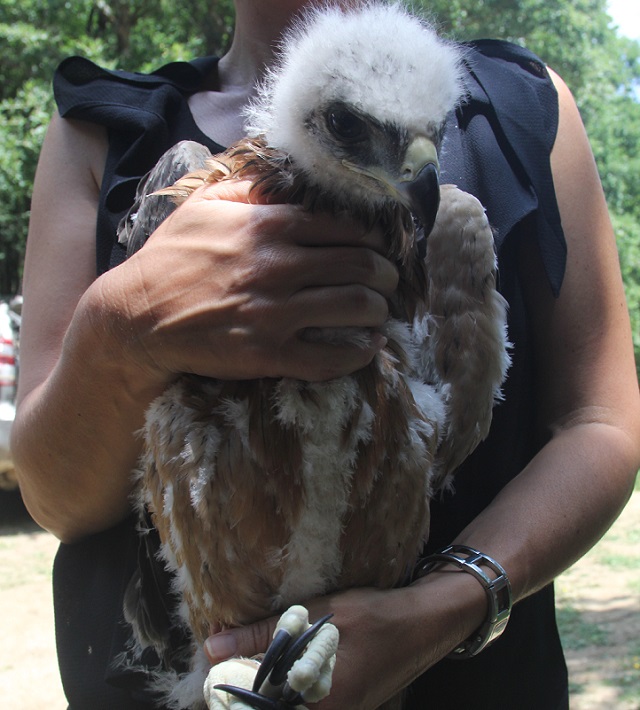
{"x":345,"y":125}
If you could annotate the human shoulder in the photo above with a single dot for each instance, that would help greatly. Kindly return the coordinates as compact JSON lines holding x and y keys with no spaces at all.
{"x":75,"y":151}
{"x":572,"y":160}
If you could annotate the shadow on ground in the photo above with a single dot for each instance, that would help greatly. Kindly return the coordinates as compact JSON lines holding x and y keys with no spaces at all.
{"x":14,"y":518}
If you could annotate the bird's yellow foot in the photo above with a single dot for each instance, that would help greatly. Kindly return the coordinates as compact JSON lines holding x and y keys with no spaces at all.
{"x":296,"y":668}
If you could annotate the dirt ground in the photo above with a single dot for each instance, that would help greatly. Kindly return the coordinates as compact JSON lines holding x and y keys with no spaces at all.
{"x":598,"y":609}
{"x":28,"y":669}
{"x":598,"y":603}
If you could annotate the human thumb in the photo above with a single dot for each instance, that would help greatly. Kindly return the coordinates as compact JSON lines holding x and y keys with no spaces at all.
{"x":242,"y":641}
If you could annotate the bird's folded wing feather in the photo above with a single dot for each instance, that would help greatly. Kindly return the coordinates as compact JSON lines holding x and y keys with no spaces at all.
{"x":466,"y":347}
{"x":151,"y":206}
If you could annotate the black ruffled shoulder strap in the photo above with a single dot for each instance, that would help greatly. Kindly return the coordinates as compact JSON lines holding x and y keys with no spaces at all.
{"x":145,"y":115}
{"x":499,"y":144}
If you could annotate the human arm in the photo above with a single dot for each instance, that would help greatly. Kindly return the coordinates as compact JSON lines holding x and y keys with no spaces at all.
{"x":567,"y":496}
{"x":223,"y":288}
{"x":589,"y":403}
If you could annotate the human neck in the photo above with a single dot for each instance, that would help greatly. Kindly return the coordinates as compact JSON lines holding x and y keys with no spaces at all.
{"x":258,"y":27}
{"x":217,"y":109}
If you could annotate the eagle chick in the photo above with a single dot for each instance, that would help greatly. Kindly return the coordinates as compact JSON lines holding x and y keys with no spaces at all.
{"x":267,"y":493}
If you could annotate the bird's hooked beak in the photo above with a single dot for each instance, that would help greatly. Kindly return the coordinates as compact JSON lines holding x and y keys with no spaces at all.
{"x":415,"y":183}
{"x":418,"y":184}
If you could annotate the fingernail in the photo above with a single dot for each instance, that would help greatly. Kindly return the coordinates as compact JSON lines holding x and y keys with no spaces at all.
{"x":220,"y":647}
{"x":378,"y":341}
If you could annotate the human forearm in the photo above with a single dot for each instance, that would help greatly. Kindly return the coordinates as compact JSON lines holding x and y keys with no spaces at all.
{"x":540,"y":523}
{"x":74,"y":440}
{"x":559,"y":506}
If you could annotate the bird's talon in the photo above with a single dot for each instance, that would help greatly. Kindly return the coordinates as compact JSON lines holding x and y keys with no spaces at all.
{"x":281,"y":641}
{"x":248,"y":697}
{"x":291,"y":696}
{"x":294,"y":651}
{"x":296,"y":668}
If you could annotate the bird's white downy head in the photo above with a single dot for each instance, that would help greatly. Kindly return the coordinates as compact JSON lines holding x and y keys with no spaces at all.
{"x":373,"y":57}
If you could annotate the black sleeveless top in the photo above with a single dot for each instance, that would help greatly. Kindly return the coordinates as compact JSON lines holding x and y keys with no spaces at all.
{"x":496,"y":146}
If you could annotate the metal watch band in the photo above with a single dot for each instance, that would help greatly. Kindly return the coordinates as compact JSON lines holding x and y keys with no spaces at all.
{"x":497,"y":589}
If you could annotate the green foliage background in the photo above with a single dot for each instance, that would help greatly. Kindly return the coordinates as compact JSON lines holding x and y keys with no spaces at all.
{"x":572,"y":36}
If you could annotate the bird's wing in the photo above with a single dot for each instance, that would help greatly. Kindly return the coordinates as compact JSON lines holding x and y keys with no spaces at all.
{"x":146,"y":605}
{"x":466,"y":351}
{"x":151,"y":206}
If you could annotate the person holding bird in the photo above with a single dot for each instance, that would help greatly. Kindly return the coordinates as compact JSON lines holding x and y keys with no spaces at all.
{"x":227,"y":287}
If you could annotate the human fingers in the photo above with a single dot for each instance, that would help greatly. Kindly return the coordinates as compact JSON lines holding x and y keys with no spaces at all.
{"x":305,"y":267}
{"x":306,"y":228}
{"x":252,"y":264}
{"x":292,"y":246}
{"x":224,"y":290}
{"x":347,"y":306}
{"x":286,"y":246}
{"x":324,"y":229}
{"x":318,"y":361}
{"x":300,"y":249}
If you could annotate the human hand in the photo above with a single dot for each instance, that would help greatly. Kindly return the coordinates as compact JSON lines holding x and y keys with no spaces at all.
{"x":225,"y":288}
{"x":376,"y":656}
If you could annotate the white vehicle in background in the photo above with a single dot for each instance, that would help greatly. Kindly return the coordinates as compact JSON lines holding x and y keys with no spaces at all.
{"x":9,"y":341}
